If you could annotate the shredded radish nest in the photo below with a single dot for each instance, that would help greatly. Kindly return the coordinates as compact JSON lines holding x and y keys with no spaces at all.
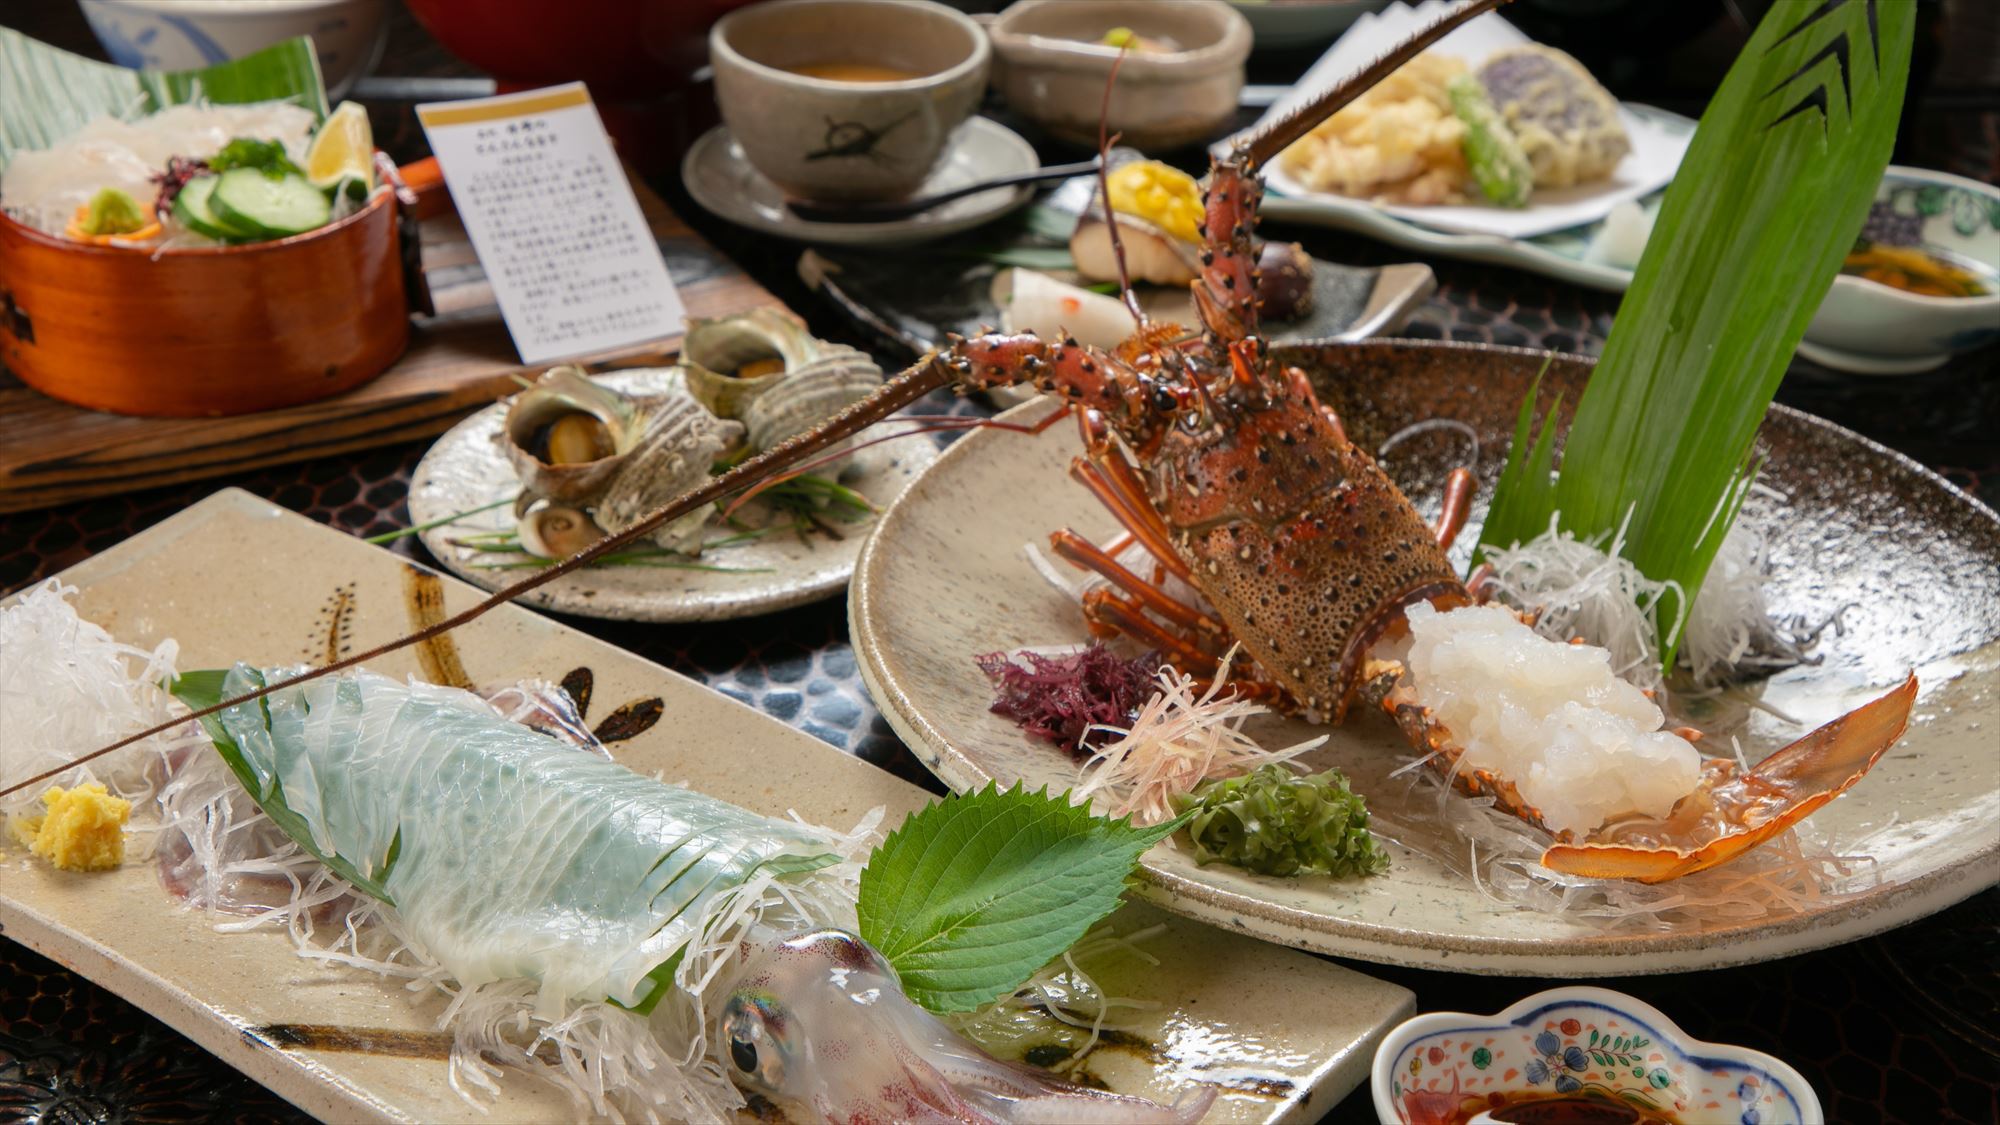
{"x":226,"y":857}
{"x":68,"y":687}
{"x":1178,"y":740}
{"x":1792,"y":873}
{"x":1588,"y":589}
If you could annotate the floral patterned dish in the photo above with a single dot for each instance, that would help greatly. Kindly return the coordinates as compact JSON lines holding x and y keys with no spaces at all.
{"x":1443,"y":1068}
{"x":1873,"y":329}
{"x":1862,"y":327}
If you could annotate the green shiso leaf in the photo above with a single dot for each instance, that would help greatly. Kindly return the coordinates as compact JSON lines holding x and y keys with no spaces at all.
{"x":1275,"y":822}
{"x":201,"y":690}
{"x":268,"y":157}
{"x":47,"y":93}
{"x":1767,"y":202}
{"x":972,"y":894}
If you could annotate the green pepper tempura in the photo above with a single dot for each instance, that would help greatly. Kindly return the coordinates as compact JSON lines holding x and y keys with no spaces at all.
{"x":1274,"y":822}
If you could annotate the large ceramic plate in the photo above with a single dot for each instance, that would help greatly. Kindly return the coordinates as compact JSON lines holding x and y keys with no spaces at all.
{"x":1282,"y":1035}
{"x":1911,"y":564}
{"x":466,"y":470}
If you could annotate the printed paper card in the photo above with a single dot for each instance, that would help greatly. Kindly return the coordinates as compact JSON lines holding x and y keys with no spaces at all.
{"x":553,"y":219}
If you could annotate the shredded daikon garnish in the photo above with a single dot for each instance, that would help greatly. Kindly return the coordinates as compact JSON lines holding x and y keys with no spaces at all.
{"x":68,"y":687}
{"x":1178,"y":740}
{"x":1585,"y":588}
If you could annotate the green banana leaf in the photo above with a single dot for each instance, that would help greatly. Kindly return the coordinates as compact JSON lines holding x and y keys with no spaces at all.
{"x":1765,"y":207}
{"x":47,"y":93}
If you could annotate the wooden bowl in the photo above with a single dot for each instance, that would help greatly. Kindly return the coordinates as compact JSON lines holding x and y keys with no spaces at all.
{"x":221,"y":330}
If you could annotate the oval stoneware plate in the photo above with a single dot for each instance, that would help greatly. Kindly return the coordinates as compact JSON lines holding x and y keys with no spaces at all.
{"x":1910,"y":564}
{"x":466,"y":470}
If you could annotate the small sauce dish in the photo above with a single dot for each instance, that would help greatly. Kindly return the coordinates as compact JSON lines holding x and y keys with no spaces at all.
{"x":1578,"y":1056}
{"x":1868,"y":327}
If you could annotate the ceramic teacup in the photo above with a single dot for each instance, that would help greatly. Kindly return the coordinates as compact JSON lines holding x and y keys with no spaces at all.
{"x":824,"y":138}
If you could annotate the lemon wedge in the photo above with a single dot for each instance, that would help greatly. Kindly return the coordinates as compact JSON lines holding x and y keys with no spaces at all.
{"x":343,"y":149}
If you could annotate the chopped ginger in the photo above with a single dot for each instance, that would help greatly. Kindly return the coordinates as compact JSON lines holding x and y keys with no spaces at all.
{"x":83,"y":829}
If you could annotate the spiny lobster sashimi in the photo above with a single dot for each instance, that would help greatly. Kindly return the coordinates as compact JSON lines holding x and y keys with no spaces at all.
{"x":1236,"y":480}
{"x":1303,"y":551}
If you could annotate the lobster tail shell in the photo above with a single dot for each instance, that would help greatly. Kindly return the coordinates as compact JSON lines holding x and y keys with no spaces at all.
{"x":1731,"y":813}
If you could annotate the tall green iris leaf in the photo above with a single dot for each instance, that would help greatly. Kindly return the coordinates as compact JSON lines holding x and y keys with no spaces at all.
{"x":1766,"y":205}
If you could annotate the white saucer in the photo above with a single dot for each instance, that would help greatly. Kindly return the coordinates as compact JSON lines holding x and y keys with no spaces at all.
{"x":721,"y":179}
{"x":1862,"y":363}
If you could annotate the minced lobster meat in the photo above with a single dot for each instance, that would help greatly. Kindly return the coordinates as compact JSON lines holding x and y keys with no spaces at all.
{"x":1061,"y":698}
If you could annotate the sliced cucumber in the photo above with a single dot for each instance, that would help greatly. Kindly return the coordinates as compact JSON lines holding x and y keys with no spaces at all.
{"x":192,"y":208}
{"x":269,"y":207}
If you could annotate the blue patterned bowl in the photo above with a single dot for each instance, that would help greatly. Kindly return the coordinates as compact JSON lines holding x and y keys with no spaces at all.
{"x":1448,"y":1067}
{"x":1871,"y":328}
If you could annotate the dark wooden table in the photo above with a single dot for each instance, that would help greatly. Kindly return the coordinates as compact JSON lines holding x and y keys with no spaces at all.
{"x":1902,"y":1027}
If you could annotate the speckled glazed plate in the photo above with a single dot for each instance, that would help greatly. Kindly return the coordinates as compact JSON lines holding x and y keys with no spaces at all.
{"x":466,"y":469}
{"x":720,"y":178}
{"x":1283,"y":1036}
{"x":1911,"y":564}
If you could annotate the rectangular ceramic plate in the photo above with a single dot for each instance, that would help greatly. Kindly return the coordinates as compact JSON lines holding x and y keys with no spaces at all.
{"x":1283,"y":1035}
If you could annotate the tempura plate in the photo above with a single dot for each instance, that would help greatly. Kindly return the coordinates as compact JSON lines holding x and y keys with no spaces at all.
{"x":234,"y":578}
{"x":466,"y":469}
{"x":1909,"y":563}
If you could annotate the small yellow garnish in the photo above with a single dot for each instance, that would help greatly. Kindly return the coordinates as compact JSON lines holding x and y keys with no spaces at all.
{"x":1164,"y":196}
{"x":83,"y":829}
{"x":1119,"y":37}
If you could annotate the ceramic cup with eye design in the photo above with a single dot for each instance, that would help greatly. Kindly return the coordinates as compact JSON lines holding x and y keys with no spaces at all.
{"x":832,"y":138}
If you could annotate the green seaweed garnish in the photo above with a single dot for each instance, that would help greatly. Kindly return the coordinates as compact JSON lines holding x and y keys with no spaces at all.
{"x":1275,"y":822}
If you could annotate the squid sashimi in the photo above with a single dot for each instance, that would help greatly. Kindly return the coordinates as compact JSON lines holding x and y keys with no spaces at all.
{"x":513,"y":859}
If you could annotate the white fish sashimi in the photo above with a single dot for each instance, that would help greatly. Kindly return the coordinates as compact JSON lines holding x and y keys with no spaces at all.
{"x":505,"y":853}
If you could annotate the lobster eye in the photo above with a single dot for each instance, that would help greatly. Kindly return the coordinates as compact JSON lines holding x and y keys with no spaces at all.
{"x":743,"y":1053}
{"x":1164,"y":400}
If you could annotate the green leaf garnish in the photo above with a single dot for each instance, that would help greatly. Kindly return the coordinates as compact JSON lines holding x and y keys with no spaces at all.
{"x":1757,"y":222}
{"x":200,"y":690}
{"x":1275,"y":822}
{"x":972,"y":894}
{"x":268,"y":157}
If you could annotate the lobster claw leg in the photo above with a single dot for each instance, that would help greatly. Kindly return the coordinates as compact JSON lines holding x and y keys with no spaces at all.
{"x":1733,"y":812}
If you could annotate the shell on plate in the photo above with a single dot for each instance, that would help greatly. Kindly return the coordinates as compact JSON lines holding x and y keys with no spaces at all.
{"x":675,"y":454}
{"x":716,"y":349}
{"x":568,"y":435}
{"x":805,"y":398}
{"x":551,"y":530}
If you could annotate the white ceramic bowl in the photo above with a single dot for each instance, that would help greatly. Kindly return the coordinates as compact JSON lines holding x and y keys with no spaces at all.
{"x":1051,"y":69}
{"x":822,"y":139}
{"x":188,"y":34}
{"x":1581,"y":1041}
{"x":1871,"y":328}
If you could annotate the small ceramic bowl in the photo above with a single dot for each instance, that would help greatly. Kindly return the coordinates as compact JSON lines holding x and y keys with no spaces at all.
{"x":348,"y":35}
{"x":1579,"y":1041}
{"x":1868,"y":327}
{"x":821,"y":138}
{"x":1051,"y":67}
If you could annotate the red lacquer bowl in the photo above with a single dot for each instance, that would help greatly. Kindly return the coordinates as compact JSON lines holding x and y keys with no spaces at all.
{"x":210,"y":331}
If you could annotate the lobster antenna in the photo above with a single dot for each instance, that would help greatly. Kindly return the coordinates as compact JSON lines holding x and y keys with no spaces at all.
{"x":904,"y":389}
{"x":1104,"y":191}
{"x":1253,"y":151}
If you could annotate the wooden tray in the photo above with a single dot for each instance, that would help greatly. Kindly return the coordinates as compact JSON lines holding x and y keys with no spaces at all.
{"x":52,"y":453}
